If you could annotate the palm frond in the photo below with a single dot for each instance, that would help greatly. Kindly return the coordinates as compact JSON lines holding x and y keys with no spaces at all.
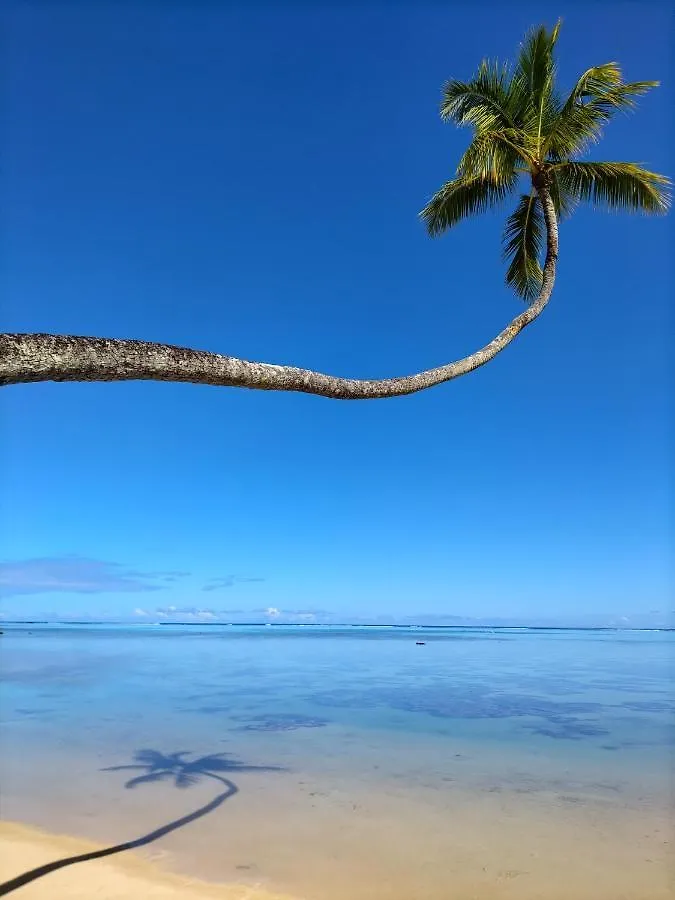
{"x":533,"y":82}
{"x":564,"y":202}
{"x":523,"y":241}
{"x":571,"y":132}
{"x":482,"y":102}
{"x":535,"y":61}
{"x":463,"y":197}
{"x":598,"y":94}
{"x":615,"y":185}
{"x":604,"y":86}
{"x":490,"y":154}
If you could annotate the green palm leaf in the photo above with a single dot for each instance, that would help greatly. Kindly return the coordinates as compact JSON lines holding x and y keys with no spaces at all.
{"x":482,"y":102}
{"x":565,"y":202}
{"x":535,"y":67}
{"x":490,"y":154}
{"x":523,"y":240}
{"x":604,"y":87}
{"x":533,"y":84}
{"x":598,"y":94}
{"x":463,"y":197}
{"x":615,"y":185}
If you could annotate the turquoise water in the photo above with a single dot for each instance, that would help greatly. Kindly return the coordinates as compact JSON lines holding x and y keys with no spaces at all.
{"x":547,"y":717}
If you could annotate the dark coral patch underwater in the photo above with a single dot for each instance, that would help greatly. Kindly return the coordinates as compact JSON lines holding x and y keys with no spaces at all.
{"x":474,"y":702}
{"x":280,"y":722}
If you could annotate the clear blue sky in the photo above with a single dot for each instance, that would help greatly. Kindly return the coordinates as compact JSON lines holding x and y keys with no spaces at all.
{"x":246,"y":179}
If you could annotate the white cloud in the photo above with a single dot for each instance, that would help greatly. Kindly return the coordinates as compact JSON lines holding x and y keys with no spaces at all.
{"x":73,"y":575}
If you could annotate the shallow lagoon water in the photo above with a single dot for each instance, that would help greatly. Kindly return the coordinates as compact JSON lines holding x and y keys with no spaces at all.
{"x":490,"y":763}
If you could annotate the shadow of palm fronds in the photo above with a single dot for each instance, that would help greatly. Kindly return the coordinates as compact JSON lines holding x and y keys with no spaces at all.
{"x":183,"y":772}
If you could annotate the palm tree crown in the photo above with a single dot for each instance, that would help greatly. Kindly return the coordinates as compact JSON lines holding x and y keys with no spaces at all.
{"x":522,"y":126}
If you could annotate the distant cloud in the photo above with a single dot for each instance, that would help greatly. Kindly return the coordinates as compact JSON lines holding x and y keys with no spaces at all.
{"x":218,"y":583}
{"x":202,"y":614}
{"x":228,"y":581}
{"x":172,"y":576}
{"x":185,"y":613}
{"x":77,"y":575}
{"x":293,"y":615}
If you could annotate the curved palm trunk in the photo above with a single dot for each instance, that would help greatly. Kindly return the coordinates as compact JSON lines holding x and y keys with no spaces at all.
{"x":28,"y":358}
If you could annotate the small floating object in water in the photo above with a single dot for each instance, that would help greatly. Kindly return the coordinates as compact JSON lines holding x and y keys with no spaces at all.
{"x":420,"y":643}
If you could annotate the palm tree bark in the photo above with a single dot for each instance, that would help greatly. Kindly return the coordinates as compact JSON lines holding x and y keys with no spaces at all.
{"x":26,"y":358}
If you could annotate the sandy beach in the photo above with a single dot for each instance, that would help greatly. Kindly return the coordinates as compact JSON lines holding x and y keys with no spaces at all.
{"x":128,"y":875}
{"x":23,"y":849}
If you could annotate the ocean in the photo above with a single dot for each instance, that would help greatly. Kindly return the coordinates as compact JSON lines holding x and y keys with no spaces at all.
{"x":345,"y":763}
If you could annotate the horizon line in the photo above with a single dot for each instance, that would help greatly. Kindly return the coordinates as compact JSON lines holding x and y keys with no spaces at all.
{"x":257,"y":624}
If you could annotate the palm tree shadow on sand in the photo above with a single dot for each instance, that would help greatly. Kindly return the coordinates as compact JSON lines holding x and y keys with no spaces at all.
{"x":155,"y":766}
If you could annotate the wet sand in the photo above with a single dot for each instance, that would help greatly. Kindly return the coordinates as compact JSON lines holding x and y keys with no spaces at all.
{"x":323,"y":842}
{"x":23,"y":849}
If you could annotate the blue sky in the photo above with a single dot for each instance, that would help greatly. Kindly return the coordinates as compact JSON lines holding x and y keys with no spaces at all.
{"x":246,"y":179}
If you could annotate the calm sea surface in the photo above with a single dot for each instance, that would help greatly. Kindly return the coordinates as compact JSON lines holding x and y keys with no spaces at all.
{"x":351,"y":762}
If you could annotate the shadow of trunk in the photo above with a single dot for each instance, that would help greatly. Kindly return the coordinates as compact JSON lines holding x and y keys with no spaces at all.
{"x":40,"y":871}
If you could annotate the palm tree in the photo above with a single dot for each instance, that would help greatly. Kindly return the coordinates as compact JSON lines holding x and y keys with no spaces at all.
{"x":523,"y":129}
